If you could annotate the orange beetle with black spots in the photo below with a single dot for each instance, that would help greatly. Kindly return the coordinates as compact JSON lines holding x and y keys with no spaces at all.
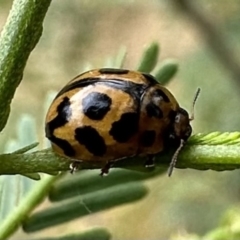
{"x":105,"y":115}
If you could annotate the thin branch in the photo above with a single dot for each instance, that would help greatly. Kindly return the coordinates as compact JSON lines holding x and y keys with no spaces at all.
{"x":216,"y":151}
{"x":213,"y":36}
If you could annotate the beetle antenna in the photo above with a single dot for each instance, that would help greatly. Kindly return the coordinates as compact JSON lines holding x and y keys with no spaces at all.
{"x":174,"y":158}
{"x":193,"y":104}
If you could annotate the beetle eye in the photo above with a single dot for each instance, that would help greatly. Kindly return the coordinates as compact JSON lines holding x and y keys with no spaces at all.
{"x":177,"y":118}
{"x":188,"y":131}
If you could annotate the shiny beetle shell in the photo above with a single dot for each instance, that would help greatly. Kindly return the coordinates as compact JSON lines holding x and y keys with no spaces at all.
{"x":108,"y":114}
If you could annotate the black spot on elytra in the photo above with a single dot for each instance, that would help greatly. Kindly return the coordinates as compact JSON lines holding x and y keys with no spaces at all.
{"x":150,"y":78}
{"x":158,"y":93}
{"x":96,"y":105}
{"x":123,"y":129}
{"x":64,"y":113}
{"x":153,"y":110}
{"x":64,"y":145}
{"x":91,"y":139}
{"x":113,"y":71}
{"x":148,"y":138}
{"x":133,"y":89}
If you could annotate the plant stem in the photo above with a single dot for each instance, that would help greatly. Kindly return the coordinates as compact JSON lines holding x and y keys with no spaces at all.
{"x":35,"y":196}
{"x":213,"y":36}
{"x":216,"y":151}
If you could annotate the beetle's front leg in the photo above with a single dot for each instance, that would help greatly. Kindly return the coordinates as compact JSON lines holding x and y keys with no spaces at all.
{"x":150,"y":163}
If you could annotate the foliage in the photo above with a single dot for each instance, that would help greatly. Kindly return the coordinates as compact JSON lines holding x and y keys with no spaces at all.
{"x":83,"y":194}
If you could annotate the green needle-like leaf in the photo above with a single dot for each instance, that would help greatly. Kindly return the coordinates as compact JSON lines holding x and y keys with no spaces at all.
{"x":85,"y":205}
{"x":120,"y":58}
{"x":90,"y":181}
{"x":33,"y":198}
{"x":149,"y":58}
{"x":33,"y":176}
{"x":18,"y":38}
{"x":93,"y":234}
{"x":229,"y":228}
{"x":166,"y":71}
{"x":26,"y":149}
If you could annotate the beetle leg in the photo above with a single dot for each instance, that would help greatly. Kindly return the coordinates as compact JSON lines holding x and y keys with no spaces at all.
{"x":105,"y":169}
{"x":149,"y":163}
{"x":74,"y":166}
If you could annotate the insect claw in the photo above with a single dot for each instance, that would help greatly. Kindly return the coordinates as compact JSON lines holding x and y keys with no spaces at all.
{"x":74,"y":166}
{"x":105,"y":169}
{"x":150,"y":163}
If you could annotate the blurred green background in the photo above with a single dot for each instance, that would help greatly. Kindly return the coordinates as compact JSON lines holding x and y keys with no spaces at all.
{"x":82,"y":33}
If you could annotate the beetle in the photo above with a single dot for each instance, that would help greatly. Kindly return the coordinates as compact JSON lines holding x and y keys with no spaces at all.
{"x":104,"y":115}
